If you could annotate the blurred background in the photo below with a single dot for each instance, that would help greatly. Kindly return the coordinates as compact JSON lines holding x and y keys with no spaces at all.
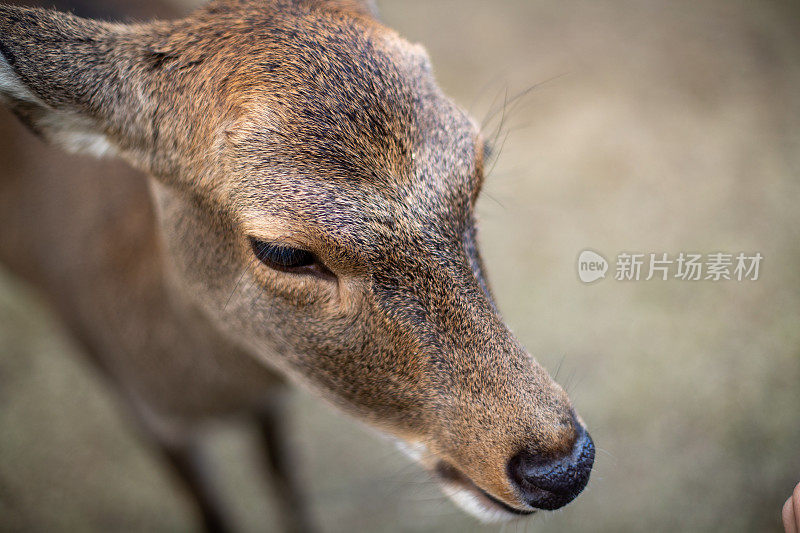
{"x":654,"y":126}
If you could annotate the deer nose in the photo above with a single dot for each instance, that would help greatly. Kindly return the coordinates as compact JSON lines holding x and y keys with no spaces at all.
{"x":550,"y":483}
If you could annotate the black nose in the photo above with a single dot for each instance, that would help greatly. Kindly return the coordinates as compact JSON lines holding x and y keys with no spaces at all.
{"x":550,"y":483}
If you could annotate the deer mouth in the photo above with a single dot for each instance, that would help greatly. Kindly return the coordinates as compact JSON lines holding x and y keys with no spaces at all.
{"x":473,"y":499}
{"x":461,"y":490}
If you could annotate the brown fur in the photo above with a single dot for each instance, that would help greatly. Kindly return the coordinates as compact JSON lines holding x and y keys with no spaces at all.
{"x":305,"y":122}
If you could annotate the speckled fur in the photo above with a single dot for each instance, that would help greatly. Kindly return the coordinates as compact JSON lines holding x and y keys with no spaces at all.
{"x":302,"y":121}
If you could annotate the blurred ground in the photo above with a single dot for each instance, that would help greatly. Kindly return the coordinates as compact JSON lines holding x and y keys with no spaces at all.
{"x":665,"y":127}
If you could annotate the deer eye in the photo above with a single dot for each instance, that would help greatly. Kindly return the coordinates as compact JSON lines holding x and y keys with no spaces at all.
{"x":281,"y":257}
{"x":288,"y":259}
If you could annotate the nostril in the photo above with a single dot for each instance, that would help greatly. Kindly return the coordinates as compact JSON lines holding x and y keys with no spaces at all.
{"x":549,"y":483}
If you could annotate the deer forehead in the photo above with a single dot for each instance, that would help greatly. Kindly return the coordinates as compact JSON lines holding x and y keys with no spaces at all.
{"x":335,"y":122}
{"x":330,"y":158}
{"x":336,"y":97}
{"x":326,"y":168}
{"x":287,"y":167}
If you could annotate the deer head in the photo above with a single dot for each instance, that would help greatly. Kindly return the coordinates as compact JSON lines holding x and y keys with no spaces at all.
{"x":316,"y":199}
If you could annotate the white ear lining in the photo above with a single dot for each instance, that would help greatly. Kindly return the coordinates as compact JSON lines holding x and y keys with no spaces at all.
{"x":75,"y":134}
{"x":11,"y":86}
{"x":68,"y":130}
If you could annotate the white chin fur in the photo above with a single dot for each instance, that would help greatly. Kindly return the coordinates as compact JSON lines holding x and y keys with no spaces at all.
{"x":414,"y":451}
{"x":465,"y":499}
{"x":472,"y":504}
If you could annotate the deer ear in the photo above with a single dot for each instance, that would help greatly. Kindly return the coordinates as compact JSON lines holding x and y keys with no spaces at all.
{"x":73,"y":81}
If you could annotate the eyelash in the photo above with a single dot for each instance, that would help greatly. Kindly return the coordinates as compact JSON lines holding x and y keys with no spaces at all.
{"x":288,"y":259}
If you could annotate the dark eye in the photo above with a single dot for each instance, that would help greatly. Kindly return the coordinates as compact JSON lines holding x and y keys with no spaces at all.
{"x":288,"y":259}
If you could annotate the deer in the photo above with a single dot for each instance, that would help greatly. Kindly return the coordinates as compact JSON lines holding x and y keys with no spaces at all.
{"x":297,"y":209}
